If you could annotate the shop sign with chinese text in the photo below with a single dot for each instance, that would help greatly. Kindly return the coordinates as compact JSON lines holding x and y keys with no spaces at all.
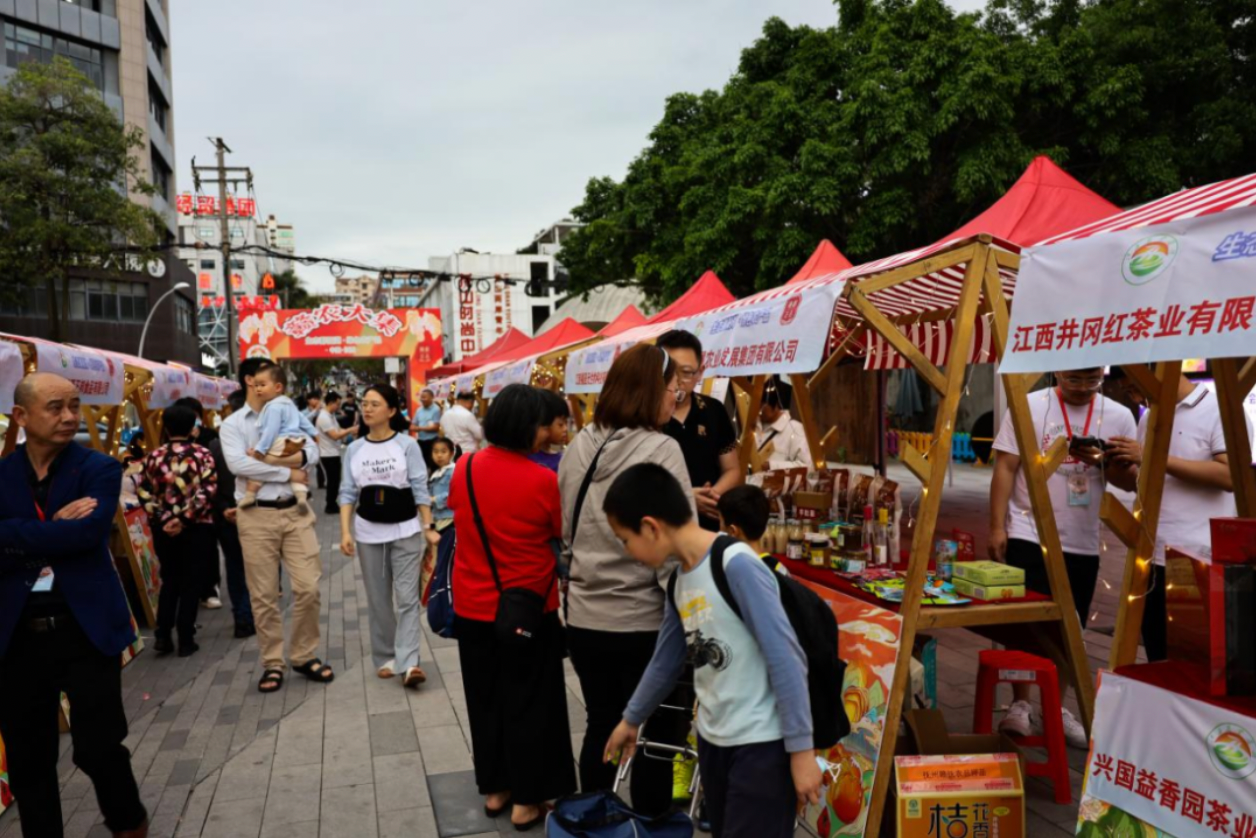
{"x":1184,"y":766}
{"x":1186,"y":289}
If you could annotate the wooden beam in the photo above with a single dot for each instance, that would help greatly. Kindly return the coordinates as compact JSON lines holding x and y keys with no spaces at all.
{"x":897,"y":276}
{"x":806,"y":415}
{"x":1027,"y":439}
{"x":1007,"y":259}
{"x":1247,"y":376}
{"x":988,"y":615}
{"x":1238,"y":446}
{"x":1144,"y":379}
{"x":926,"y":522}
{"x":1118,"y":519}
{"x":899,"y":341}
{"x":1151,"y":476}
{"x":826,"y":441}
{"x":1054,"y":456}
{"x":747,"y":447}
{"x":915,"y":462}
{"x":843,"y":349}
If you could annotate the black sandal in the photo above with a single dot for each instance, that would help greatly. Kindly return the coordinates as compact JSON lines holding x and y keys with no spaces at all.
{"x":316,"y":670}
{"x":270,"y":676}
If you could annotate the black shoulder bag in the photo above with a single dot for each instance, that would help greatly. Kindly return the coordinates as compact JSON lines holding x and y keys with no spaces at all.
{"x":519,"y":610}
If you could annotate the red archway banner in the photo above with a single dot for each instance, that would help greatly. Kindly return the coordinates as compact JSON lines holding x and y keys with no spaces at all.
{"x":335,"y":331}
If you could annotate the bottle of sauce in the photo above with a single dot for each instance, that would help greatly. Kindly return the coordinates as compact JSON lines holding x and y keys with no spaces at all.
{"x":881,"y":537}
{"x":869,"y":537}
{"x":795,"y":543}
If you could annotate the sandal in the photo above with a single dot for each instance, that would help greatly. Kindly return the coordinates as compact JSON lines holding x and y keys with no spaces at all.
{"x":414,"y":677}
{"x":272,"y":680}
{"x":316,"y":670}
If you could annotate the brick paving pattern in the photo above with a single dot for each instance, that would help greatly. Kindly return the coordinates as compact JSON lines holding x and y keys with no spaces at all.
{"x":362,"y":756}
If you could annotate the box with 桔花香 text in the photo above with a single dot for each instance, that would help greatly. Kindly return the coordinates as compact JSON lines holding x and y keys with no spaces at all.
{"x":988,"y":574}
{"x":987,"y":593}
{"x":960,"y":796}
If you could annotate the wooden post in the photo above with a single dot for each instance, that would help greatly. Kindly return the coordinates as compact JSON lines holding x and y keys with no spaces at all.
{"x":1129,"y":615}
{"x":747,"y":447}
{"x":806,"y":415}
{"x":1238,"y":446}
{"x":926,"y":522}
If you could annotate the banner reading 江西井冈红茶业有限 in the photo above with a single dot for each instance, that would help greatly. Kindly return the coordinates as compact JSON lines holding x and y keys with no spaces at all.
{"x":1186,"y":289}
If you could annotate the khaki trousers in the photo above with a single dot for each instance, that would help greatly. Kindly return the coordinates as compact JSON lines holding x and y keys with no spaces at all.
{"x":268,"y":537}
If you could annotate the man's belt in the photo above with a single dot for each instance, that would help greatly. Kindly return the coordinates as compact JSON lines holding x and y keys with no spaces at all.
{"x":286,"y":503}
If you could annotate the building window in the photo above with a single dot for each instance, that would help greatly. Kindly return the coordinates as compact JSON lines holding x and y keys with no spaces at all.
{"x":237,"y":264}
{"x":207,"y":264}
{"x":539,"y":315}
{"x":94,"y":5}
{"x":22,"y":43}
{"x":153,"y":34}
{"x":206,"y":233}
{"x":185,"y":315}
{"x":161,"y":175}
{"x":30,"y":302}
{"x":540,"y":271}
{"x":157,"y":106}
{"x":95,"y":299}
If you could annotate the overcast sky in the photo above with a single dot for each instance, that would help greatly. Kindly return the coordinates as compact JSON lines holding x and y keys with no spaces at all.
{"x":387,"y":131}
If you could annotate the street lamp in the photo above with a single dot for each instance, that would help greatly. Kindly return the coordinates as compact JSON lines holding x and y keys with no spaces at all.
{"x":153,"y":310}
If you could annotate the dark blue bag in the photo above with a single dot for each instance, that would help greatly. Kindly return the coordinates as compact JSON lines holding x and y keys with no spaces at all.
{"x":604,"y":815}
{"x":440,"y":602}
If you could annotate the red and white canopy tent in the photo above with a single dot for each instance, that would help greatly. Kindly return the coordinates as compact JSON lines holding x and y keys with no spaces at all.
{"x":517,"y":367}
{"x":1172,"y":279}
{"x":511,"y":340}
{"x":629,"y":318}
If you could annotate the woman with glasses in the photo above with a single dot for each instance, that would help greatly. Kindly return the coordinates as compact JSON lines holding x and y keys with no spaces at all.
{"x":615,"y":604}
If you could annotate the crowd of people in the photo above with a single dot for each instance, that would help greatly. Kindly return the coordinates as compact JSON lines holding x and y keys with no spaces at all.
{"x":559,"y":544}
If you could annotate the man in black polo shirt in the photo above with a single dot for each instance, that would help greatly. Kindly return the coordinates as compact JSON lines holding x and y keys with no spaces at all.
{"x":703,"y":429}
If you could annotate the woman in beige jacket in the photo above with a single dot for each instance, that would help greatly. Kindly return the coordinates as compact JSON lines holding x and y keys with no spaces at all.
{"x":614,"y":604}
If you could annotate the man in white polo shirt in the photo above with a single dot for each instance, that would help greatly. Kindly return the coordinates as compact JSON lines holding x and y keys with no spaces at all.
{"x":1197,"y":489}
{"x":460,"y":426}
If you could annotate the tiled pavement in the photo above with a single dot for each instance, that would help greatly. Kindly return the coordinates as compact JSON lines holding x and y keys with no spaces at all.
{"x":365,"y":757}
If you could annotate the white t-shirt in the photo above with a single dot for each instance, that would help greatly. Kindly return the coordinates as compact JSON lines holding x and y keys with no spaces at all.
{"x":461,"y":427}
{"x":327,"y":447}
{"x":1078,"y":525}
{"x":381,"y":464}
{"x":1186,"y":508}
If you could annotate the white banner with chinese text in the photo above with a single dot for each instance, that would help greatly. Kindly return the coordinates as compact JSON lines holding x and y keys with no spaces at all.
{"x":587,"y":368}
{"x":1186,"y":289}
{"x":207,"y":392}
{"x":781,"y":335}
{"x":11,"y":372}
{"x":1184,"y":766}
{"x":497,"y":379}
{"x":169,"y":385}
{"x":98,"y":377}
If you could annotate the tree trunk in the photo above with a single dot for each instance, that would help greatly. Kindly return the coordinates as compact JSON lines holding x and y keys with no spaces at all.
{"x":54,"y":309}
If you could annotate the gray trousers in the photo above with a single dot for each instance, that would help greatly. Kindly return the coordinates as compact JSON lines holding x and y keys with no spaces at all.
{"x":391,"y":572}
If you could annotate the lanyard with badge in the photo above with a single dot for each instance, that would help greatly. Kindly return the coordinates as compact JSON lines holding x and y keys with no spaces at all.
{"x":44,"y":583}
{"x":1078,"y":480}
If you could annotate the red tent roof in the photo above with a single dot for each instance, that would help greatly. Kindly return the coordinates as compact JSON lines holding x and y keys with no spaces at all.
{"x":567,"y":332}
{"x":629,"y":318}
{"x":705,"y":294}
{"x":1044,"y":202}
{"x":826,"y":259}
{"x":510,"y":341}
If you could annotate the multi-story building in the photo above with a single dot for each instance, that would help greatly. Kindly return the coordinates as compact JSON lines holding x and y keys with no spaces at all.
{"x":361,"y":289}
{"x":283,"y":238}
{"x":123,"y":47}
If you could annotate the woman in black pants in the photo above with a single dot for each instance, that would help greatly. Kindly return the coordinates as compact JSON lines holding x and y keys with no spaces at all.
{"x":615,"y":604}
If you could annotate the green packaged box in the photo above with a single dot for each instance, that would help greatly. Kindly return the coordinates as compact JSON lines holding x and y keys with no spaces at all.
{"x":989,"y":573}
{"x":989,"y":593}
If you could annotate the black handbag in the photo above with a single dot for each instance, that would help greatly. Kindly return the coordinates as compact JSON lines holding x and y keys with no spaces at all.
{"x":520,"y":611}
{"x":386,"y":504}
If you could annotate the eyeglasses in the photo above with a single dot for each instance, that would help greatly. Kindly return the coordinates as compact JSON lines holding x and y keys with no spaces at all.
{"x":687,"y":373}
{"x":1081,"y":383}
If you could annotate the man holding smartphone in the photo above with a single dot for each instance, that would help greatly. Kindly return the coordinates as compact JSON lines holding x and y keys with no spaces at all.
{"x":1076,"y":410}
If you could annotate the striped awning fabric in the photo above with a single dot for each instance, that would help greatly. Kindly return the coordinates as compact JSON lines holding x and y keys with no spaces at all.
{"x":1189,"y":203}
{"x":934,"y":340}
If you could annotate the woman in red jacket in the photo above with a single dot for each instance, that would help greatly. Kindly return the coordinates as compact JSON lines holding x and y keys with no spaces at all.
{"x":516,"y":696}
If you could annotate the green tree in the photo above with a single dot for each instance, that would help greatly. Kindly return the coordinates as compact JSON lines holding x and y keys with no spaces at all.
{"x":64,"y":155}
{"x":905,"y":119}
{"x":292,"y":291}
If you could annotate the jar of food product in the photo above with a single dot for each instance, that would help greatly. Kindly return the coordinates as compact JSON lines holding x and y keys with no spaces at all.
{"x":794,"y":541}
{"x":818,"y":549}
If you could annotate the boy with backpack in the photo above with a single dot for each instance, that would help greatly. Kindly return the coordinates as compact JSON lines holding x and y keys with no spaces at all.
{"x":744,"y":513}
{"x":755,"y":741}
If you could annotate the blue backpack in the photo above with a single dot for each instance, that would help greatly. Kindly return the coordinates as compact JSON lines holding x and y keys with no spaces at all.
{"x":604,"y":815}
{"x":440,"y":601}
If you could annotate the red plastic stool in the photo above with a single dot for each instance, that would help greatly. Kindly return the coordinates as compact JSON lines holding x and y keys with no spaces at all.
{"x":1007,"y":666}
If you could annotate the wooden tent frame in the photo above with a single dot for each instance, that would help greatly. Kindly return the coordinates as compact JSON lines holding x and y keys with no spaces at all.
{"x":1235,"y":378}
{"x":981,"y":294}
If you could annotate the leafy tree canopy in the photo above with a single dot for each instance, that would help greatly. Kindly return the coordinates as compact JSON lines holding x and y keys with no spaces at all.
{"x":64,"y":154}
{"x":906,"y":119}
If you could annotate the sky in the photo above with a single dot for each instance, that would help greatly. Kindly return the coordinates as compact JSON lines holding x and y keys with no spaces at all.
{"x":388,"y":131}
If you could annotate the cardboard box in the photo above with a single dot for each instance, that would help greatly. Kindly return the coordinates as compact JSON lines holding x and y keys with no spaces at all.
{"x":960,"y":795}
{"x":990,"y":573}
{"x":812,"y":506}
{"x":987,"y":592}
{"x":1234,"y":539}
{"x":928,"y":736}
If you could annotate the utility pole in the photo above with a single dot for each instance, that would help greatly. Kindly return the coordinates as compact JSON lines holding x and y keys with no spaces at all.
{"x":221,"y":169}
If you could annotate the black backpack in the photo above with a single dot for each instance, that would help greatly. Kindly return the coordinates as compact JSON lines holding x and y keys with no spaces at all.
{"x":816,"y":627}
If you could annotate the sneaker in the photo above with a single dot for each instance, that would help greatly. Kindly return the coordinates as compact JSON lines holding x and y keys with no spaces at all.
{"x":213,"y":603}
{"x":1074,"y":733}
{"x":1019,"y":719}
{"x":243,"y":630}
{"x":682,"y":777}
{"x":163,"y":645}
{"x":188,"y":649}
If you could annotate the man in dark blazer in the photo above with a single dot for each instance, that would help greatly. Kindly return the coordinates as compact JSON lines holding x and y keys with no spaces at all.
{"x":64,"y":619}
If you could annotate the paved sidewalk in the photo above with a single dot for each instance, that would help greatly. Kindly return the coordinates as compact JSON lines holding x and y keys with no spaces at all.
{"x":366,"y":757}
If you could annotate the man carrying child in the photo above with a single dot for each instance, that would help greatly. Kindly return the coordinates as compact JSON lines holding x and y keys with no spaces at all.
{"x":754,"y":725}
{"x":284,"y":432}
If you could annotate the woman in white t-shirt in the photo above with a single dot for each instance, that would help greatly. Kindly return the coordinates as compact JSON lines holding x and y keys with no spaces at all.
{"x":385,"y":507}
